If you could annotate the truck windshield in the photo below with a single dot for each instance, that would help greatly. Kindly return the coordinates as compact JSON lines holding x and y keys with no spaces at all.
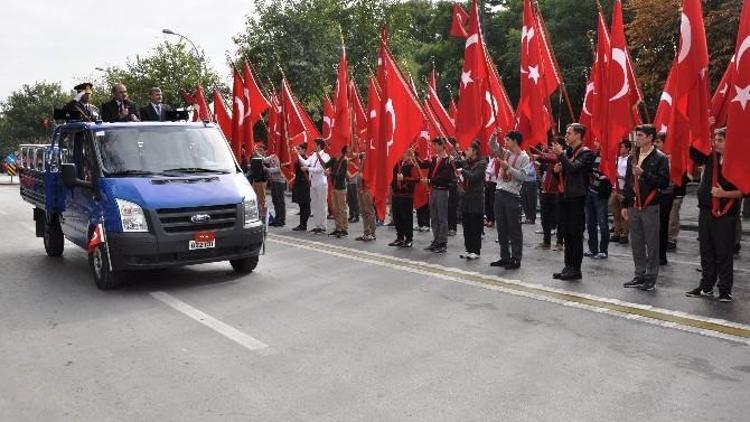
{"x":163,"y":150}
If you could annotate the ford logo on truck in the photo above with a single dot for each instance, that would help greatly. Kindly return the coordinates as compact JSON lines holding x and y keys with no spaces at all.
{"x":200,"y":218}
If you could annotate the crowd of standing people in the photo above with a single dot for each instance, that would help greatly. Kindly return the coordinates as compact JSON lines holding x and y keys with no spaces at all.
{"x":507,"y":185}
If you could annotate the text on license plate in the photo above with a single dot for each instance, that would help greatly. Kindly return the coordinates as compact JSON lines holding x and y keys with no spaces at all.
{"x":195,"y":245}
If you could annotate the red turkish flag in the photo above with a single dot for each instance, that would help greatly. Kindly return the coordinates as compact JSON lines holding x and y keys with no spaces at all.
{"x":238,"y":115}
{"x":538,"y":81}
{"x":460,"y":23}
{"x":198,"y":101}
{"x":221,"y":115}
{"x":360,"y":116}
{"x":275,"y":124}
{"x":299,"y":127}
{"x":663,"y":118}
{"x":401,"y":123}
{"x":619,"y":93}
{"x":373,"y":133}
{"x":593,"y":110}
{"x":453,"y":110}
{"x":737,"y":152}
{"x":436,"y":107}
{"x":329,"y":116}
{"x":687,"y":86}
{"x":257,"y":102}
{"x":342,"y":128}
{"x":720,"y":100}
{"x":470,"y":119}
{"x":498,"y":111}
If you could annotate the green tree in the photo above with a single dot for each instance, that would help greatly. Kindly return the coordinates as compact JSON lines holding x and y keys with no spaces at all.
{"x":24,"y":111}
{"x":170,"y":66}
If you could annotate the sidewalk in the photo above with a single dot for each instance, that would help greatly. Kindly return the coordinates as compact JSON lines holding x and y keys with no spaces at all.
{"x":5,"y":180}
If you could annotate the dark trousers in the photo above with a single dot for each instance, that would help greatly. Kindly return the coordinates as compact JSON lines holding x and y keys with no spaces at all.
{"x":529,"y":193}
{"x":401,"y":211}
{"x":717,"y":250}
{"x":423,"y":215}
{"x":508,"y":223}
{"x":304,"y":214}
{"x":597,"y":222}
{"x":665,"y":208}
{"x":453,"y":203}
{"x":572,"y":222}
{"x":279,"y":205}
{"x":489,"y":201}
{"x":473,"y":226}
{"x":550,"y":210}
{"x":352,"y":200}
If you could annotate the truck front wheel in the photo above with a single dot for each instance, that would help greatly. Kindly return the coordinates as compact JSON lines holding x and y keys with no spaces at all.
{"x":244,"y":265}
{"x":104,"y":277}
{"x":54,"y":241}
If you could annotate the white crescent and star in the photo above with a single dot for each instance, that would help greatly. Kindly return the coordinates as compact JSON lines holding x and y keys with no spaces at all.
{"x":534,"y":73}
{"x":240,"y":108}
{"x":589,"y":91}
{"x":686,"y":34}
{"x":473,"y":39}
{"x":492,"y":103}
{"x":527,"y":33}
{"x":392,"y":111}
{"x":666,"y":97}
{"x":741,"y":51}
{"x":743,"y":96}
{"x":619,"y":56}
{"x":466,"y":78}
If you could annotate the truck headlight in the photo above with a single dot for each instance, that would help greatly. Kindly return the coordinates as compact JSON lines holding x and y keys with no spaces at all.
{"x":251,"y":211}
{"x":132,"y":217}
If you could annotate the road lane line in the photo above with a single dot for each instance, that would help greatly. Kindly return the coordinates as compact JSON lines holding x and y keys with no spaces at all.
{"x":710,"y":327}
{"x":220,"y":327}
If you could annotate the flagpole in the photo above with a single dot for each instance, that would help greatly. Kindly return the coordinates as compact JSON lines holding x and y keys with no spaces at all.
{"x":545,"y":35}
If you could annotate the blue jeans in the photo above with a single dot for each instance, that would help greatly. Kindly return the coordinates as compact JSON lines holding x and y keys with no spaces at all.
{"x":596,"y":218}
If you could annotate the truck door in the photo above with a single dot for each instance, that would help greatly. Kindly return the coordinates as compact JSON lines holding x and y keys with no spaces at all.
{"x":79,"y":201}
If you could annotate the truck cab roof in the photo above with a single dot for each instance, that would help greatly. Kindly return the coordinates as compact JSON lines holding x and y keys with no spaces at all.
{"x":104,"y":125}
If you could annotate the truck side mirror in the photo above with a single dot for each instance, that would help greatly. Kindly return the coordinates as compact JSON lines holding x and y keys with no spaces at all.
{"x":69,"y":176}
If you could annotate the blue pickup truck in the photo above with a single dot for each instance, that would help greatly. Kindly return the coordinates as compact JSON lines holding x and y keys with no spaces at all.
{"x":142,"y":196}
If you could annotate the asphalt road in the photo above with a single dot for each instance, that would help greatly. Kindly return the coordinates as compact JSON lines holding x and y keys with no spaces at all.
{"x":331,"y":330}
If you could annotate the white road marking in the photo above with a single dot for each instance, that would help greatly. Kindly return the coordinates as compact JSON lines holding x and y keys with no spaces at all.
{"x":220,"y":327}
{"x":378,"y":259}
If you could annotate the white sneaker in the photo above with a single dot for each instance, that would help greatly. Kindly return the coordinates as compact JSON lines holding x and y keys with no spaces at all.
{"x":472,"y":256}
{"x":464,"y":255}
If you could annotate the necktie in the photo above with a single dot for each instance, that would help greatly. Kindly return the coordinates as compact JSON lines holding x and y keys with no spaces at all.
{"x":158,"y":110}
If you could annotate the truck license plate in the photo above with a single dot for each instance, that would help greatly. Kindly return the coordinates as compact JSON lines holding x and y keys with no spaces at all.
{"x":202,"y":240}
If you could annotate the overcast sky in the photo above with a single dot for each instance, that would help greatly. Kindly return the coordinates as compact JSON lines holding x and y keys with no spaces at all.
{"x":63,"y":41}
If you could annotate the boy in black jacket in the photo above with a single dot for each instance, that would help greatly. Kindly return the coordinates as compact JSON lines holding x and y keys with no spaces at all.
{"x":647,"y":174}
{"x":719,"y":204}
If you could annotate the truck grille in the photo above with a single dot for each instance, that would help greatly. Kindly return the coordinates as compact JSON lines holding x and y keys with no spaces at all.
{"x":179,"y":220}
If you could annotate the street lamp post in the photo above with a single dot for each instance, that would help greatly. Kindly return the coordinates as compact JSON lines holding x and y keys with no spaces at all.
{"x":198,"y":55}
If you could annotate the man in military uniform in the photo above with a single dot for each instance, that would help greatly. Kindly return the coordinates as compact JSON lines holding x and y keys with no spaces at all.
{"x":79,"y":107}
{"x":120,"y":108}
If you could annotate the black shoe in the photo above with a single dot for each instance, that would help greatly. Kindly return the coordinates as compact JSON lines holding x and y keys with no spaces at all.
{"x":663,"y":262}
{"x":635,"y":283}
{"x":514,"y":264}
{"x":698,"y":292}
{"x":396,"y":242}
{"x":334,"y":233}
{"x":406,"y":244}
{"x":648,"y":286}
{"x":500,"y":263}
{"x":557,"y":276}
{"x":614,"y":238}
{"x":441,"y":248}
{"x":342,"y":233}
{"x":571,"y":275}
{"x":299,"y":229}
{"x":725,"y":297}
{"x":431,"y":247}
{"x":671,"y":246}
{"x":624,"y":240}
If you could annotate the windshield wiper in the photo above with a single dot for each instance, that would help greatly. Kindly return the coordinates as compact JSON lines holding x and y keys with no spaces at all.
{"x":131,"y":173}
{"x":194,"y":170}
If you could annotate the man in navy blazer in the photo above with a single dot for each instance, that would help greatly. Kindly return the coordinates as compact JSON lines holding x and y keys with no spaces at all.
{"x":154,"y":111}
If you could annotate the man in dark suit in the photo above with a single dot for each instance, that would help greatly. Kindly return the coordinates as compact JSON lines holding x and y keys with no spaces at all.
{"x":155,"y":111}
{"x":120,"y":108}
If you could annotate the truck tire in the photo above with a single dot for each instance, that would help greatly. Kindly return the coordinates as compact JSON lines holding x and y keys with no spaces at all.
{"x":244,"y":265}
{"x":54,"y":241}
{"x":104,"y":278}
